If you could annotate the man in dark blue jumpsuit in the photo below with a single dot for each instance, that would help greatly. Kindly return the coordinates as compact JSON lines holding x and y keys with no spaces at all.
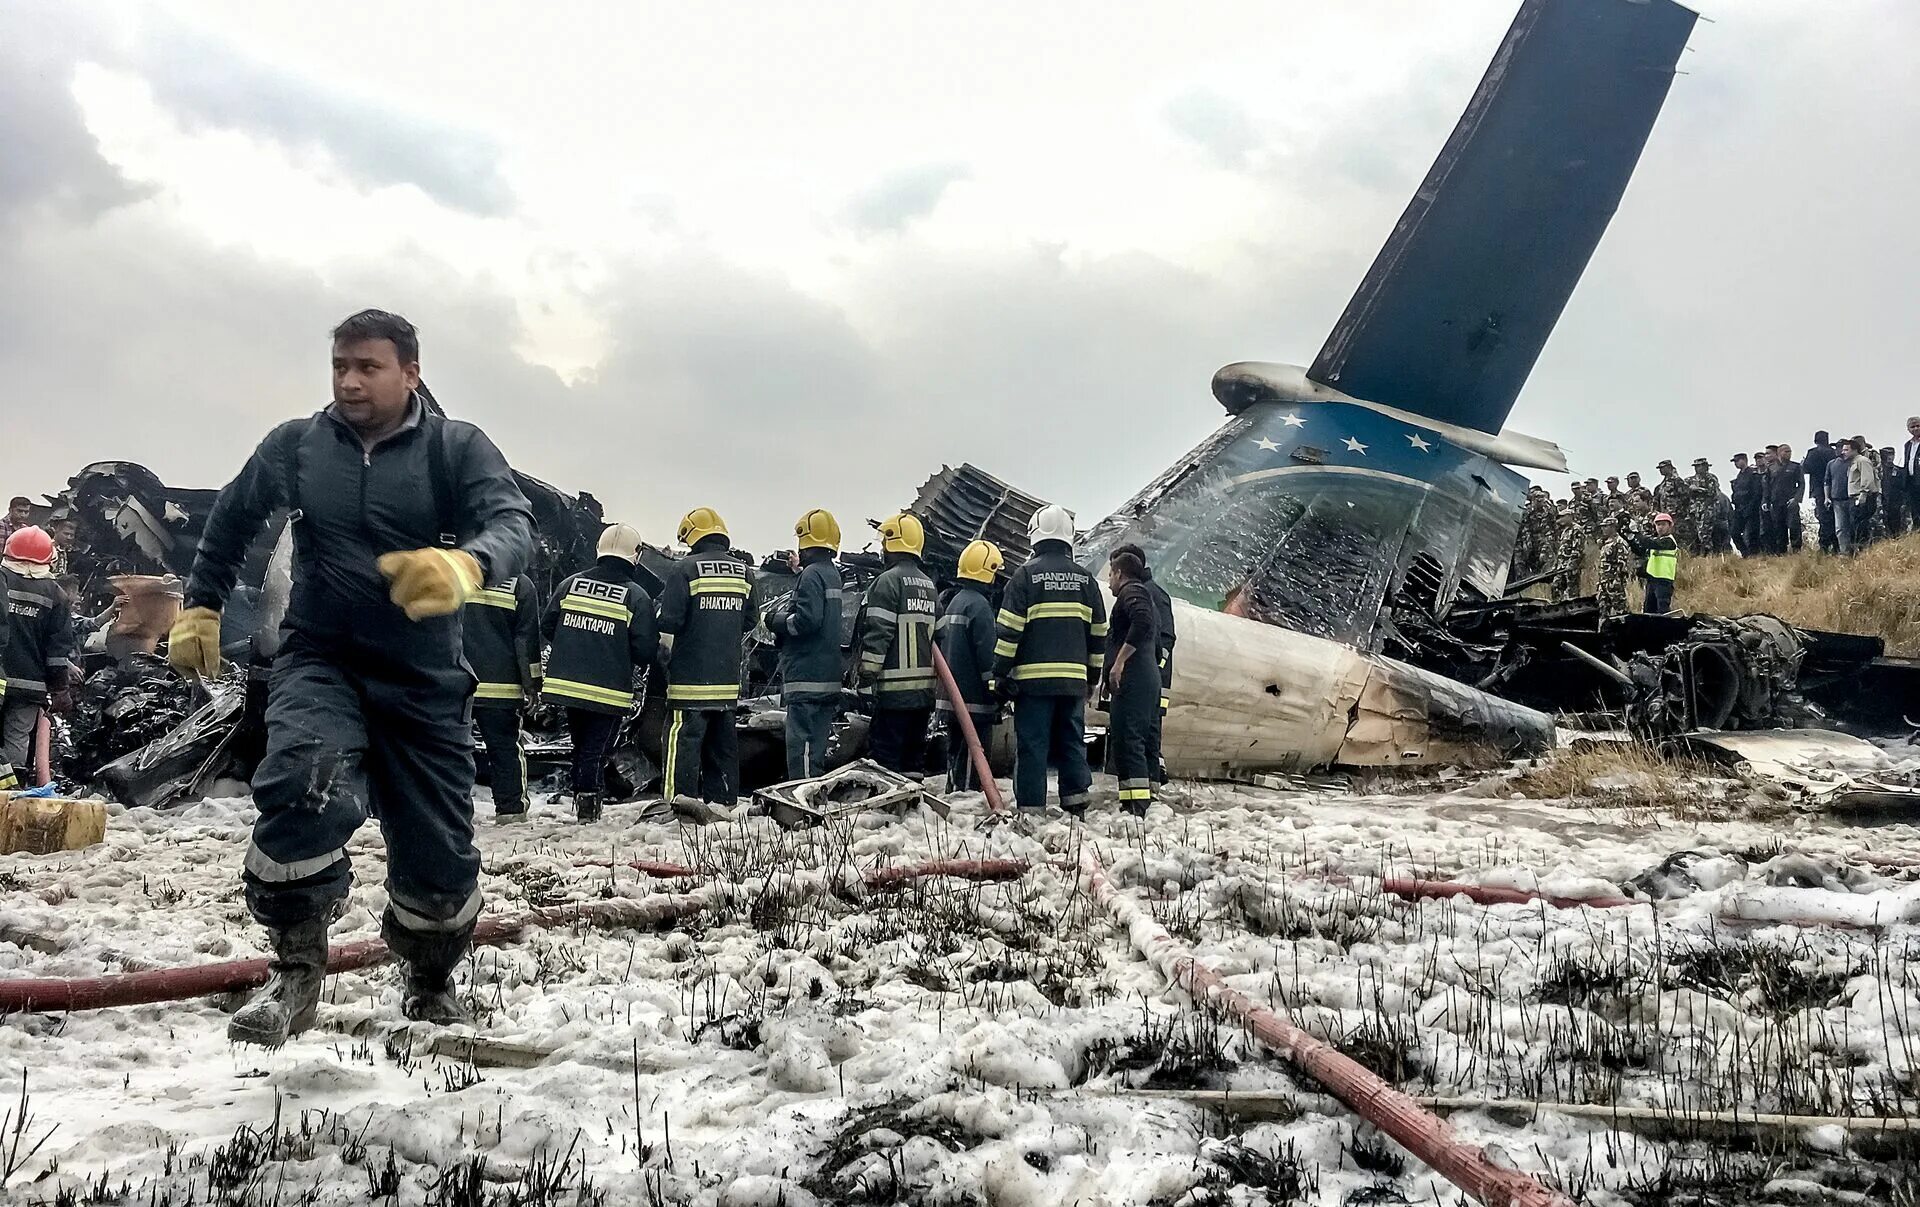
{"x":399,"y":517}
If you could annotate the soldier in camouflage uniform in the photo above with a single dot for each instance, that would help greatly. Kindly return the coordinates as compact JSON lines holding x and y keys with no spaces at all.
{"x":1596,"y":505}
{"x":1637,"y":494}
{"x":1615,"y":571}
{"x":1670,"y":495}
{"x":1533,"y":549}
{"x":1702,"y":522}
{"x":1572,"y":557}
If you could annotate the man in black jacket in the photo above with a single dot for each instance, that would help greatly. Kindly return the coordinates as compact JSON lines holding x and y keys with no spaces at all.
{"x":500,"y":629}
{"x":706,"y":606}
{"x":1746,"y":490}
{"x":965,"y":634}
{"x":601,"y":634}
{"x":806,"y":630}
{"x":399,"y":516}
{"x":1163,"y":616}
{"x":1132,"y":679}
{"x":1814,"y":467}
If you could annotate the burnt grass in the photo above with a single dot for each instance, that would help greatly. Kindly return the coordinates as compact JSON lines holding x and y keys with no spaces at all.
{"x":849,"y":1145}
{"x":1724,"y":1179}
{"x":1784,"y":985}
{"x":1185,"y":1051}
{"x":1229,"y":1170}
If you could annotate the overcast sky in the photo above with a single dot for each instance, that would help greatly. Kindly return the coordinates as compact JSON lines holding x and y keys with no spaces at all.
{"x":769,"y":257}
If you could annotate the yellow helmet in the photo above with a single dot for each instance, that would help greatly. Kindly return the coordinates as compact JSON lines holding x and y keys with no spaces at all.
{"x":818,"y":530}
{"x":902,"y":532}
{"x":699,"y":524}
{"x":980,"y":561}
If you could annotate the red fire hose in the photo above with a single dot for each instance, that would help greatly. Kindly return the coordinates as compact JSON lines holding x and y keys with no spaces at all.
{"x":1482,"y":894}
{"x":1417,"y":1129}
{"x":43,"y":751}
{"x":232,"y":976}
{"x":965,"y":869}
{"x":982,"y":769}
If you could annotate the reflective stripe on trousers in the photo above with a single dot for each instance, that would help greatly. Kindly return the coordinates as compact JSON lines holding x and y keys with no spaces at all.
{"x":412,"y":915}
{"x":273,"y":871}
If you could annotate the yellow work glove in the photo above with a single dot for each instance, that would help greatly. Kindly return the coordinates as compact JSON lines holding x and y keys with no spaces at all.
{"x":431,"y":582}
{"x":193,"y":647}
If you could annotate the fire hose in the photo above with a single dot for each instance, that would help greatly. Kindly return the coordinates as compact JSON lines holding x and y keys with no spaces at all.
{"x":1481,"y":894}
{"x":233,"y":976}
{"x":47,"y":994}
{"x":1416,"y":1129}
{"x":982,"y":769}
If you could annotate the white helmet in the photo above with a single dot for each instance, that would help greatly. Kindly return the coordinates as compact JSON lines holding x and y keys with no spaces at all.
{"x":1051,"y":523}
{"x":619,"y":540}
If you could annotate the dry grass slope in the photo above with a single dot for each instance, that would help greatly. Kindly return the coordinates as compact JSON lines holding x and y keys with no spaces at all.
{"x":1877,"y":592}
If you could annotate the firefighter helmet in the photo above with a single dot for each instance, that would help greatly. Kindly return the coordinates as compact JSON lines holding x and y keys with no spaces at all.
{"x":30,"y":544}
{"x":699,"y":524}
{"x":619,"y":540}
{"x":980,"y":561}
{"x":1051,"y":523}
{"x":818,"y":530}
{"x":902,"y":532}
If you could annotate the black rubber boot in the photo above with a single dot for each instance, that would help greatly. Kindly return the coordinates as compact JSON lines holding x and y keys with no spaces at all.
{"x":429,"y":961}
{"x":430,"y":998}
{"x":290,"y":1000}
{"x":586,"y":806}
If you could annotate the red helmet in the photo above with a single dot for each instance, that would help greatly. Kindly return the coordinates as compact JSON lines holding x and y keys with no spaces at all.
{"x":30,"y":544}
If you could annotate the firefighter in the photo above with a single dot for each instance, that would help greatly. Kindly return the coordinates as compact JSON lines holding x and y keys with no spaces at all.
{"x":965,"y":635}
{"x":896,"y":648}
{"x":601,"y":639}
{"x":1052,"y":628}
{"x":1132,"y":679}
{"x":1163,"y":616}
{"x":399,"y":516}
{"x":500,"y":630}
{"x":705,"y":608}
{"x":38,"y":644}
{"x":806,"y":630}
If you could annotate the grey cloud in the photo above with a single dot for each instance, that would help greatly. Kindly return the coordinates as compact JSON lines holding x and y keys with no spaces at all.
{"x":1217,"y":124}
{"x":209,"y":84}
{"x":1755,"y":285}
{"x":49,"y":157}
{"x":900,"y":197}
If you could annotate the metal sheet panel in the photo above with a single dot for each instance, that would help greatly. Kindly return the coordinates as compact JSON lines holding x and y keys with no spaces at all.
{"x":1451,"y":317}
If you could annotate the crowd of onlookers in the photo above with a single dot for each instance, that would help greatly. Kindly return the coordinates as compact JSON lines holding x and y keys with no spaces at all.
{"x":1858,"y":494}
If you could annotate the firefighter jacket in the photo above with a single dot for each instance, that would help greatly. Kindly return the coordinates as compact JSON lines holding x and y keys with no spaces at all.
{"x":500,"y":629}
{"x":807,"y":630}
{"x":39,"y":643}
{"x":896,"y":635}
{"x":965,"y":634}
{"x":435,"y":482}
{"x":1163,"y":615}
{"x":705,"y":609}
{"x":1052,"y":627}
{"x":600,"y":636}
